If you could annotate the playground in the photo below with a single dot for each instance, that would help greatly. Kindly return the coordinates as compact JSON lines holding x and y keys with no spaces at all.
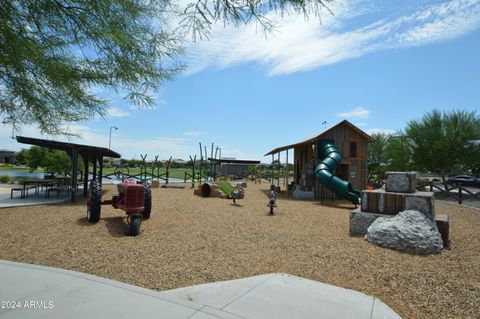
{"x":191,"y":240}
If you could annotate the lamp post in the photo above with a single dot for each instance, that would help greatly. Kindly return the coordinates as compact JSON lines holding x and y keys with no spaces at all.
{"x":10,"y":120}
{"x":110,"y":139}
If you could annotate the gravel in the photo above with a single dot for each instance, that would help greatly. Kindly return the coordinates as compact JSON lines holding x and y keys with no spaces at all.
{"x":191,"y":240}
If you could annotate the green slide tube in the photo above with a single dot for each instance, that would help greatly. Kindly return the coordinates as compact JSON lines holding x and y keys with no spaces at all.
{"x":323,"y":172}
{"x":226,"y":187}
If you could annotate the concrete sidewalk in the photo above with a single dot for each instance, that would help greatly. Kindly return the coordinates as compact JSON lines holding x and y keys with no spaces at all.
{"x":32,"y":291}
{"x":6,"y":201}
{"x":32,"y":198}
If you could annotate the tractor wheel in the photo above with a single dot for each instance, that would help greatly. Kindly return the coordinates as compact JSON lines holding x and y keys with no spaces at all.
{"x":135,"y":222}
{"x":95,"y":203}
{"x":148,"y":202}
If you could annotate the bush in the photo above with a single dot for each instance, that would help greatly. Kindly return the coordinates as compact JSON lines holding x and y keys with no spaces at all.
{"x":422,"y":183}
{"x":5,"y":179}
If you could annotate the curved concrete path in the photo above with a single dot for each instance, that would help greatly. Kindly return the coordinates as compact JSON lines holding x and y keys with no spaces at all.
{"x":32,"y":291}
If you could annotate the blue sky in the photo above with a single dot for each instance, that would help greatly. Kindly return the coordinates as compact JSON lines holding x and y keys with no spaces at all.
{"x":378,"y":64}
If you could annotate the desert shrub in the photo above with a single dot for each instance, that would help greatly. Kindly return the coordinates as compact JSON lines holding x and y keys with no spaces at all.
{"x":5,"y":179}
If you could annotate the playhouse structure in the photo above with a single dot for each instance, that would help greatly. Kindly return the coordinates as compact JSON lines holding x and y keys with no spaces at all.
{"x":350,"y":141}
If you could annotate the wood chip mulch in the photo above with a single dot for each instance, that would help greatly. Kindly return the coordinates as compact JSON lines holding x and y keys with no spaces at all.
{"x":191,"y":240}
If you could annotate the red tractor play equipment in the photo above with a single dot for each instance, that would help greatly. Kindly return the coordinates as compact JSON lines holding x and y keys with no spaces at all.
{"x":135,"y":199}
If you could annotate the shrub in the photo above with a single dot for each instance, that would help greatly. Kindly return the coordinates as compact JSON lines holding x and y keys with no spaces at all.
{"x":5,"y":179}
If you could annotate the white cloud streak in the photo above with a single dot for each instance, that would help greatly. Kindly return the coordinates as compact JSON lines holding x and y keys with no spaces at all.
{"x":123,"y":143}
{"x":128,"y":146}
{"x":380,"y":130}
{"x":194,"y":134}
{"x":304,"y":45}
{"x":358,"y":112}
{"x":115,"y":112}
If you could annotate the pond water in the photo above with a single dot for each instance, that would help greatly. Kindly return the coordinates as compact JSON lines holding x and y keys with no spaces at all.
{"x":15,"y":173}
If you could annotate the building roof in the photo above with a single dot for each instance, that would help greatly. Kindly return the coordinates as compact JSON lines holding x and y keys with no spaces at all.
{"x":64,"y":146}
{"x":318,"y":135}
{"x":7,"y":151}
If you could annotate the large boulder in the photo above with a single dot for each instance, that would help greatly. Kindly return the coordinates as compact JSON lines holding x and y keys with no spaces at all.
{"x":303,"y":194}
{"x":409,"y":231}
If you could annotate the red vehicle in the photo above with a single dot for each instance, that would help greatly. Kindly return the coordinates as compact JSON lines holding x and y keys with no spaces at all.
{"x":135,"y":199}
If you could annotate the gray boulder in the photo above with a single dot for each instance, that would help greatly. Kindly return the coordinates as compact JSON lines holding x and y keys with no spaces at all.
{"x":299,"y":194}
{"x":409,"y":231}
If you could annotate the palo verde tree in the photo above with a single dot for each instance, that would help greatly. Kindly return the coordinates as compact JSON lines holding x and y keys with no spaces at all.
{"x":389,"y":152}
{"x":398,"y":153}
{"x":55,"y":54}
{"x":445,"y":142}
{"x":377,"y":161}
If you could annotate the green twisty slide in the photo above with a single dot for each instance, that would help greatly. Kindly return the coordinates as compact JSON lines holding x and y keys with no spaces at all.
{"x":323,"y":172}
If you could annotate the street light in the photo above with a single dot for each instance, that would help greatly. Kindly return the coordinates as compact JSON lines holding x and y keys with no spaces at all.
{"x":110,"y":139}
{"x":8,"y":120}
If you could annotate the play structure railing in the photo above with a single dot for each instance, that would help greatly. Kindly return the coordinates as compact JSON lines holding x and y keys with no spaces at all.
{"x":147,"y":173}
{"x":194,"y":176}
{"x":463,"y":193}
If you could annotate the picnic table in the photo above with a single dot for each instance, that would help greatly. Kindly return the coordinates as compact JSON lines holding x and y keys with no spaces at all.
{"x":56,"y":184}
{"x":24,"y":187}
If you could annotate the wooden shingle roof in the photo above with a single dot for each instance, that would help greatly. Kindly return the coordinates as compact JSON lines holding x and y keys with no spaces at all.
{"x":317,"y":136}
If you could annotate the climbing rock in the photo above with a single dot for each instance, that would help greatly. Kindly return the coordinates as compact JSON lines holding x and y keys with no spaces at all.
{"x":303,"y":194}
{"x":409,"y":231}
{"x":360,"y":221}
{"x":401,"y":182}
{"x":421,"y":201}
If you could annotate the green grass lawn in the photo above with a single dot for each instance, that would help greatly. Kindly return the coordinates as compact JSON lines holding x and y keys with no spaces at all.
{"x":8,"y":167}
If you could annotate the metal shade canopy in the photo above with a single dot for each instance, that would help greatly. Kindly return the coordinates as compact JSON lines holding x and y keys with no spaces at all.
{"x":88,"y":152}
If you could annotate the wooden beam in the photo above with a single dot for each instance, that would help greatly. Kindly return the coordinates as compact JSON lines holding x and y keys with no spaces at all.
{"x":100,"y":173}
{"x":94,"y":177}
{"x":86,"y":164}
{"x":74,"y":159}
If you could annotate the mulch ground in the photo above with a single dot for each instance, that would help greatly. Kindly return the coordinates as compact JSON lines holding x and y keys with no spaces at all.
{"x":191,"y":240}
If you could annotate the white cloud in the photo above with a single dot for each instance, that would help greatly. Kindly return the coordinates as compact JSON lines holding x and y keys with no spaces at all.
{"x":142,"y":108}
{"x":358,"y":112}
{"x":123,"y":143}
{"x":237,"y":153}
{"x":180,"y":146}
{"x":194,"y":134}
{"x":440,"y":23}
{"x":303,"y":45}
{"x":380,"y":130}
{"x":115,"y":112}
{"x":130,"y":147}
